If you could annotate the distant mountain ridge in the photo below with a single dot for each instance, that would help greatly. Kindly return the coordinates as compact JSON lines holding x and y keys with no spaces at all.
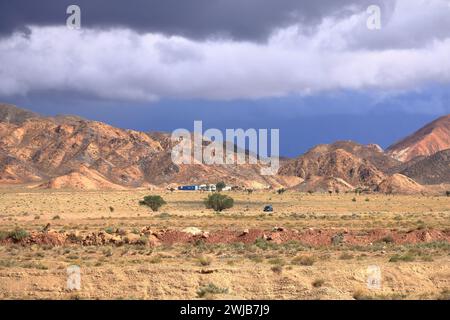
{"x":430,"y":139}
{"x":69,"y":152}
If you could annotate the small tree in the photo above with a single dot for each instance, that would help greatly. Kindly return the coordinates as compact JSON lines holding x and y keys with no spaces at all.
{"x":220,"y":186}
{"x":218,"y":202}
{"x":154,"y":202}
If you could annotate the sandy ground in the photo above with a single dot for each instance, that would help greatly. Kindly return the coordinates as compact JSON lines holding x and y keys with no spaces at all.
{"x":198,"y":270}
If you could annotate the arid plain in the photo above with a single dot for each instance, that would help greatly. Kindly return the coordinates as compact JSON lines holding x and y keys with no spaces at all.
{"x":313,"y":246}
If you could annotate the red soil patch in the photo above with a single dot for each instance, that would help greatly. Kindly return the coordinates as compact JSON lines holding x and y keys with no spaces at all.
{"x":311,"y":237}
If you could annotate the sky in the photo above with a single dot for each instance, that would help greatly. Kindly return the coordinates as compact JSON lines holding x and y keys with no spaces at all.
{"x":312,"y":69}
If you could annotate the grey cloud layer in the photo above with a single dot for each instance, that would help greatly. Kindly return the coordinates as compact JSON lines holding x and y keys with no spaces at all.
{"x":237,"y":19}
{"x":337,"y":53}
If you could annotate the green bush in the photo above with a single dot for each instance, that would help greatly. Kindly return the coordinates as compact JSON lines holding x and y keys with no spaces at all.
{"x":218,"y":202}
{"x":154,"y":202}
{"x":210,"y":289}
{"x":220,"y":186}
{"x":18,"y":234}
{"x":110,"y":230}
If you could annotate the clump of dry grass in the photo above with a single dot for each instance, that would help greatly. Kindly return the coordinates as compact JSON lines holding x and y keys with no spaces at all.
{"x":304,"y":260}
{"x":204,"y":260}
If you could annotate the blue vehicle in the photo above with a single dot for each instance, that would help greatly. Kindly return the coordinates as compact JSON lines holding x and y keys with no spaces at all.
{"x":188,"y":188}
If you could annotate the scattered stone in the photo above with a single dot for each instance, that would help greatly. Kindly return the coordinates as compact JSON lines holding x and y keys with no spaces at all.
{"x":193,"y":231}
{"x":245,"y":232}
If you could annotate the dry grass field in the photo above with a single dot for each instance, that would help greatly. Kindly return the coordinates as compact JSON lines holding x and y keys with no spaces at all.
{"x":260,"y":269}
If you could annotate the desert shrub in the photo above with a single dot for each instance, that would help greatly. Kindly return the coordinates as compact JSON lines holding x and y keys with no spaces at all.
{"x":281,"y":191}
{"x":346,"y":256}
{"x":255,"y":258}
{"x":143,"y":240}
{"x":164,"y":215}
{"x":262,"y":243}
{"x":303,"y":260}
{"x":204,"y":260}
{"x":154,"y":202}
{"x":337,"y":239}
{"x":156,"y":259}
{"x":3,"y":235}
{"x":109,"y":230}
{"x":57,"y":217}
{"x":277,"y":261}
{"x":220,"y":186}
{"x":388,"y":239}
{"x":218,"y":202}
{"x":407,"y":257}
{"x":18,"y":234}
{"x":210,"y":288}
{"x":447,"y":193}
{"x":354,"y":199}
{"x":111,"y":209}
{"x":277,"y":269}
{"x":318,"y":283}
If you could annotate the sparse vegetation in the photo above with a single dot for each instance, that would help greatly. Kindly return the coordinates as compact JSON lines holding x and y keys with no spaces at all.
{"x":218,"y":202}
{"x":210,"y":289}
{"x":388,"y":239}
{"x":332,"y":231}
{"x":153,"y":202}
{"x":407,"y":257}
{"x":277,"y":269}
{"x":303,"y":260}
{"x":204,"y":260}
{"x":18,"y":234}
{"x":346,"y":256}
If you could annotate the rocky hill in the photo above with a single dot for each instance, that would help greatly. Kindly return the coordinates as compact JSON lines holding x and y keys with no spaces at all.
{"x":434,"y":169}
{"x":430,"y":139}
{"x":342,"y":165}
{"x":71,"y":152}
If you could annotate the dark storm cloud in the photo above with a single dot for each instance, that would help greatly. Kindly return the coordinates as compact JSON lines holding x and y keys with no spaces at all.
{"x":238,"y":19}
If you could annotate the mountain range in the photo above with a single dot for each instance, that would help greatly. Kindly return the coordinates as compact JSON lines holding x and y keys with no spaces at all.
{"x":69,"y":152}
